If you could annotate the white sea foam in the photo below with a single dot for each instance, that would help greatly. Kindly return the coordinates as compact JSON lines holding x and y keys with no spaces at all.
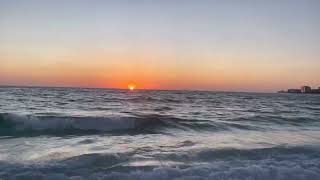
{"x":299,"y":169}
{"x":295,"y":163}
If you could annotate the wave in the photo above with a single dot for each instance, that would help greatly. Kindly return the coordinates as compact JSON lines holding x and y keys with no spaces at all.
{"x":277,"y":119}
{"x":279,"y":163}
{"x":22,"y":124}
{"x":14,"y":123}
{"x":17,"y":124}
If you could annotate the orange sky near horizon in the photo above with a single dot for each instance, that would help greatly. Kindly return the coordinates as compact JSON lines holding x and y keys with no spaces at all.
{"x":147,"y":71}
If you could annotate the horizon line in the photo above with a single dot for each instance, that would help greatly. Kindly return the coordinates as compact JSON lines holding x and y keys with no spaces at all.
{"x":138,"y":89}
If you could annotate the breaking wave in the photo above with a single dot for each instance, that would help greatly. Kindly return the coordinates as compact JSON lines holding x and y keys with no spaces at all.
{"x":15,"y":124}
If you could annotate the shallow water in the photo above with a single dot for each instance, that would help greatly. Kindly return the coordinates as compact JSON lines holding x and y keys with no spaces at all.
{"x":72,"y":133}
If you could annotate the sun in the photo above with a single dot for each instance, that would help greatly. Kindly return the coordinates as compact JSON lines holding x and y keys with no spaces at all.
{"x":131,"y":87}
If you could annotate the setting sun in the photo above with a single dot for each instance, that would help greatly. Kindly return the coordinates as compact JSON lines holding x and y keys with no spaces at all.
{"x":131,"y":87}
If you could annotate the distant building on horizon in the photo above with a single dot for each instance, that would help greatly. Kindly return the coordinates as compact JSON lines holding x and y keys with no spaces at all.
{"x":306,"y":89}
{"x":294,"y":91}
{"x":303,"y":89}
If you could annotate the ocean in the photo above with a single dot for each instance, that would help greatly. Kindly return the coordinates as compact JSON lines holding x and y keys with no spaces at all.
{"x":95,"y":134}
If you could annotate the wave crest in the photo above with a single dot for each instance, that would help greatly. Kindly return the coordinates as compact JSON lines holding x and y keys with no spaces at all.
{"x":11,"y":124}
{"x":14,"y":123}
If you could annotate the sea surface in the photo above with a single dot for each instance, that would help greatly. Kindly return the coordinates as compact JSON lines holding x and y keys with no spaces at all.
{"x":74,"y":133}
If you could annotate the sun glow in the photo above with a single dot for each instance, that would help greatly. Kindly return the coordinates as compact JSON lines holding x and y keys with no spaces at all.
{"x":131,"y":87}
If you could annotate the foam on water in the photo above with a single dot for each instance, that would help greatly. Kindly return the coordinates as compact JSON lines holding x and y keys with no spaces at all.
{"x":279,"y":163}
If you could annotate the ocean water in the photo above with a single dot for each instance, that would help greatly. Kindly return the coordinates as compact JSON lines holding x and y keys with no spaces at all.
{"x":73,"y":133}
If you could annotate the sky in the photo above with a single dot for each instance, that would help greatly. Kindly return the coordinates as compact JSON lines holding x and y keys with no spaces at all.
{"x":231,"y":45}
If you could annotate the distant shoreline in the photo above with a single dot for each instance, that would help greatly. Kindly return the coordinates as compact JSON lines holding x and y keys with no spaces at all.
{"x":279,"y":92}
{"x":302,"y":90}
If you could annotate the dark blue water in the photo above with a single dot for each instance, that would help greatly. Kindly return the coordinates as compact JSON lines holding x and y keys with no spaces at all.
{"x":72,"y":133}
